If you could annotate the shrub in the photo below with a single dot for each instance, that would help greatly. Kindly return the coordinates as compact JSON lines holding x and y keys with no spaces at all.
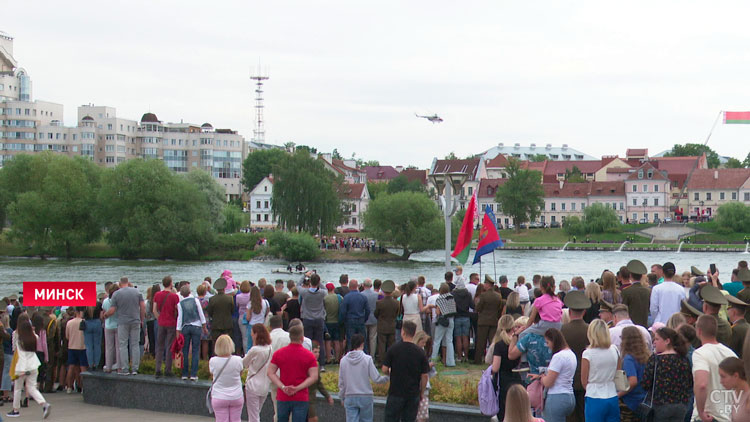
{"x":733,"y":217}
{"x":601,"y":219}
{"x":573,"y":226}
{"x":293,"y":246}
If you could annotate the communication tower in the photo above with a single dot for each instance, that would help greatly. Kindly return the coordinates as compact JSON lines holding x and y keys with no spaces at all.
{"x":259,"y":133}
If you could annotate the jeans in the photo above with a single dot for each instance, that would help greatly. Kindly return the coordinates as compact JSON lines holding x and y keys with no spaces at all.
{"x":371,"y":345}
{"x":111,"y":349}
{"x":227,"y":410}
{"x":444,"y":335}
{"x":92,"y":336}
{"x":298,"y":410}
{"x":245,"y":332}
{"x":151,"y":330}
{"x":163,"y":345}
{"x":6,"y":383}
{"x":192,"y":336}
{"x":314,"y":329}
{"x":461,"y":326}
{"x":130,"y":332}
{"x":401,"y":409}
{"x":674,"y":412}
{"x":358,"y":408}
{"x":353,"y":328}
{"x":558,"y":406}
{"x":29,"y":383}
{"x":604,"y":410}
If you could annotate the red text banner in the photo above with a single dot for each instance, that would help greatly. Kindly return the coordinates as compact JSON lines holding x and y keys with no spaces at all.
{"x":59,"y":293}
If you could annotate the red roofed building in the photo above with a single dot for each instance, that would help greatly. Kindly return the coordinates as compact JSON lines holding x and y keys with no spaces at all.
{"x":647,"y":192}
{"x":474,"y":167}
{"x":486,"y":197}
{"x":708,"y":189}
{"x":380,"y":173}
{"x":355,"y":199}
{"x":496,"y":167}
{"x":415,"y":174}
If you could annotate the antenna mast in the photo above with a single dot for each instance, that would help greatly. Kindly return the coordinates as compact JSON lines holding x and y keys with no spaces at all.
{"x":259,"y":133}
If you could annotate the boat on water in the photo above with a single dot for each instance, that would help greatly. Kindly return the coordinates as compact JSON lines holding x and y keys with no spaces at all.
{"x":286,"y":271}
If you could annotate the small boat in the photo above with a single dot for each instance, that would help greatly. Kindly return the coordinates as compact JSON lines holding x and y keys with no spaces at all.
{"x":286,"y":271}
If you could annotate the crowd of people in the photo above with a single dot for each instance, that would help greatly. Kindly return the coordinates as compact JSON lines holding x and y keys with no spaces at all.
{"x":633,"y":345}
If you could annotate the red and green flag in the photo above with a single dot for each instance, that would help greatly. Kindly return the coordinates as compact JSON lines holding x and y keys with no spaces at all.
{"x":463,"y":243}
{"x":737,"y":117}
{"x":489,"y":239}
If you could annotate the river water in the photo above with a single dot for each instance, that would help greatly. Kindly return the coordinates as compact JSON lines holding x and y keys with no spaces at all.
{"x":563,"y":265}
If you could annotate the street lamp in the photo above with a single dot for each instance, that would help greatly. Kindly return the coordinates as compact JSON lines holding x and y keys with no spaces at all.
{"x":450,"y":183}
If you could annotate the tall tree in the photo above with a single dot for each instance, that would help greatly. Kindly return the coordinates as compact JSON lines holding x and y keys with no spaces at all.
{"x":694,"y":150}
{"x":574,"y":175}
{"x":18,"y":175}
{"x":408,"y":220}
{"x":733,"y":163}
{"x":214,"y":193}
{"x":400,"y":184}
{"x":258,"y":165}
{"x":746,"y":162}
{"x":376,"y":188}
{"x":522,"y":196}
{"x":336,"y":155}
{"x":305,"y":194}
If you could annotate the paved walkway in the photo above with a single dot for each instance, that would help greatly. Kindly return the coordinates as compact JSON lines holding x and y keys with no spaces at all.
{"x":71,"y":408}
{"x":668,"y":232}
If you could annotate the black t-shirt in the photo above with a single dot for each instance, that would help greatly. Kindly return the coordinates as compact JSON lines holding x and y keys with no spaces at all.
{"x":407,"y":362}
{"x":341,"y":290}
{"x":501,"y":349}
{"x":293,"y":309}
{"x":273,"y":306}
{"x":505,"y":291}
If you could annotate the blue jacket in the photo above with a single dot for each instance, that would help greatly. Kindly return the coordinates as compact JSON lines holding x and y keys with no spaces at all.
{"x":355,"y":308}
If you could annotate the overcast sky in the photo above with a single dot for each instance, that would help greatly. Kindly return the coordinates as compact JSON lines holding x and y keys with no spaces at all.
{"x":596,"y":75}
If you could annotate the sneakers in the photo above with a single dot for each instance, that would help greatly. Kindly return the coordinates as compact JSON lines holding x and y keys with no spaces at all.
{"x":322,"y":369}
{"x":13,"y":414}
{"x":184,"y":378}
{"x":134,"y":372}
{"x":157,"y":374}
{"x":68,"y":390}
{"x":193,"y":378}
{"x":123,"y":373}
{"x":46,"y":410}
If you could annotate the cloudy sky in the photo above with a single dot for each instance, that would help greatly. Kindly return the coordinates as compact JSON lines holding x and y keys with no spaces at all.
{"x":596,"y":75}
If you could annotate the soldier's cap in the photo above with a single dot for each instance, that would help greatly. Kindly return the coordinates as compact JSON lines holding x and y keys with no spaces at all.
{"x":687,"y":309}
{"x":577,"y":300}
{"x":3,"y":306}
{"x":220,"y":283}
{"x":695,"y":271}
{"x":637,"y":267}
{"x":743,"y":275}
{"x":388,"y":286}
{"x":605,"y":306}
{"x":712,"y":295}
{"x":488,"y":279}
{"x":736,"y":303}
{"x":13,"y":297}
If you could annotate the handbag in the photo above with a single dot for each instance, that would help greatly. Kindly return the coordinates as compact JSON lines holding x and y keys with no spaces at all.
{"x":536,"y":394}
{"x":621,"y":379}
{"x":13,"y":363}
{"x":400,"y":316}
{"x":646,"y":411}
{"x":209,"y":406}
{"x":443,"y":321}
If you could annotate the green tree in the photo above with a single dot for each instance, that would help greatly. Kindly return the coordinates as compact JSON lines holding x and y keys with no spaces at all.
{"x":400,"y":184}
{"x":307,"y":149}
{"x":295,"y":247}
{"x":538,"y":158}
{"x":574,"y":175}
{"x":408,"y":220}
{"x":733,"y":163}
{"x":58,"y":213}
{"x":573,"y":226}
{"x":233,"y":219}
{"x":18,"y":175}
{"x":305,"y":195}
{"x":693,"y":150}
{"x":376,"y":188}
{"x":746,"y":162}
{"x":451,"y":156}
{"x":335,"y":155}
{"x":215,"y":196}
{"x":600,"y":219}
{"x":258,"y":165}
{"x":733,"y":217}
{"x":150,"y":211}
{"x":522,"y":196}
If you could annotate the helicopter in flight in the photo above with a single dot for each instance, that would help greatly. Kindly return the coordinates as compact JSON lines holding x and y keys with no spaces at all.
{"x":434,"y":118}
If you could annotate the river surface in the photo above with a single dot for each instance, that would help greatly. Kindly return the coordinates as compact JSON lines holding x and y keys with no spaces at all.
{"x":563,"y":265}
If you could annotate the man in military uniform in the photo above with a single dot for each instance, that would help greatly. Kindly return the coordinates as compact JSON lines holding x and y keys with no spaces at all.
{"x":736,"y":313}
{"x":53,"y":344}
{"x":386,"y":311}
{"x":743,"y":275}
{"x":575,"y":335}
{"x":713,"y":299}
{"x":605,"y":313}
{"x":488,"y":309}
{"x":689,"y":312}
{"x":219,"y":309}
{"x":637,"y":297}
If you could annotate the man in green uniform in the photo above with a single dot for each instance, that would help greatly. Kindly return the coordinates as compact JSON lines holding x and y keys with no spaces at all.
{"x":736,"y":313}
{"x":386,"y":312}
{"x":637,"y":296}
{"x":575,"y":335}
{"x":605,"y":313}
{"x":219,"y":309}
{"x":743,"y":275}
{"x":713,"y":299}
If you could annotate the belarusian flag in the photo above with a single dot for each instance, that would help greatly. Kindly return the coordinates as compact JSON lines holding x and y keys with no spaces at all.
{"x":463,"y":243}
{"x":737,"y":117}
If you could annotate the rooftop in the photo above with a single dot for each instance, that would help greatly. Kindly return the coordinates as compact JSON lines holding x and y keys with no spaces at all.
{"x":381,"y":172}
{"x":718,"y":178}
{"x":469,"y":166}
{"x":526,"y":152}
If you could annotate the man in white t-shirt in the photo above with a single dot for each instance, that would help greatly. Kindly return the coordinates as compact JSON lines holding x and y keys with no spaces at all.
{"x":622,"y":320}
{"x":279,"y":340}
{"x":712,"y":401}
{"x":666,"y":297}
{"x":473,"y":282}
{"x":432,"y":302}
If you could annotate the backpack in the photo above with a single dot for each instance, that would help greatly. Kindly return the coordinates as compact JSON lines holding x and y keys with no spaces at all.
{"x":488,"y":403}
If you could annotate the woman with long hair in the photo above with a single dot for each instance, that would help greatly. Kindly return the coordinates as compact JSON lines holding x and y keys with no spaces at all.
{"x":732,"y":375}
{"x":594,"y":293}
{"x":513,"y":305}
{"x":609,"y":288}
{"x":667,"y":378}
{"x":240,"y":300}
{"x":111,"y":347}
{"x":558,"y":379}
{"x":256,"y":362}
{"x":423,"y":341}
{"x":268,"y":293}
{"x":502,"y":365}
{"x":202,"y":291}
{"x":255,"y":312}
{"x":598,"y":365}
{"x":411,"y":301}
{"x":27,"y":367}
{"x":151,"y":318}
{"x":635,"y":355}
{"x":92,"y":335}
{"x":7,"y":336}
{"x":518,"y":408}
{"x":548,"y":306}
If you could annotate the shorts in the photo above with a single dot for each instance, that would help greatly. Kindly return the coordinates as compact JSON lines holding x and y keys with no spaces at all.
{"x":461,"y":327}
{"x":77,"y":357}
{"x":334,"y":331}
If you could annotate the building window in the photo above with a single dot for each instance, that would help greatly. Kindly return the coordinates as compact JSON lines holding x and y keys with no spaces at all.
{"x":697,"y":196}
{"x":635,"y":217}
{"x":265,"y":204}
{"x":645,"y":215}
{"x":747,"y":196}
{"x":656,"y":188}
{"x":257,"y":204}
{"x":583,"y":206}
{"x":354,"y":208}
{"x":471,"y":190}
{"x":721,"y":195}
{"x":635,"y":202}
{"x":635,"y":188}
{"x":257,"y":217}
{"x":622,"y":206}
{"x":265,"y":188}
{"x":572,"y":206}
{"x":656,"y":216}
{"x":552,"y":206}
{"x":656,"y":202}
{"x":708,"y":196}
{"x":562,"y":206}
{"x":265,"y":217}
{"x":734,"y":196}
{"x":645,"y":188}
{"x":553,"y":218}
{"x":354,"y":220}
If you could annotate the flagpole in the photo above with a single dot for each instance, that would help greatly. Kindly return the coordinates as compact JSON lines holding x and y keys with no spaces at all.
{"x":494,"y":263}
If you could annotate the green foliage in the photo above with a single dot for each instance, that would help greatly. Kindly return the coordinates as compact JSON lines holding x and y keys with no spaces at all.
{"x":56,"y":210}
{"x":574,"y":175}
{"x":305,"y":195}
{"x":694,"y":150}
{"x":573,"y":226}
{"x":336,"y":155}
{"x":733,"y":217}
{"x":214,"y":193}
{"x":522,"y":196}
{"x":451,"y":156}
{"x":746,"y":162}
{"x":401,"y":184}
{"x":234,"y":219}
{"x":236,"y":241}
{"x":307,"y":149}
{"x":294,"y":246}
{"x":150,"y":211}
{"x":598,"y":218}
{"x":408,"y":220}
{"x":376,"y":188}
{"x":538,"y":158}
{"x":258,"y":165}
{"x":733,"y":163}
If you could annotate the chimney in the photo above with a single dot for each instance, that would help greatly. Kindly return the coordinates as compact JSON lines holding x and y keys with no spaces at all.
{"x":500,"y":144}
{"x":562,"y":182}
{"x":716,"y":174}
{"x":565,"y":146}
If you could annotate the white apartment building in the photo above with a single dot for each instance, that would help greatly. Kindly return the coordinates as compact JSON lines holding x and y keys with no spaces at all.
{"x":259,"y":206}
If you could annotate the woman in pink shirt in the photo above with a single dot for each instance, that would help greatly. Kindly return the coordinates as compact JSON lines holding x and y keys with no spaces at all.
{"x":548,"y":306}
